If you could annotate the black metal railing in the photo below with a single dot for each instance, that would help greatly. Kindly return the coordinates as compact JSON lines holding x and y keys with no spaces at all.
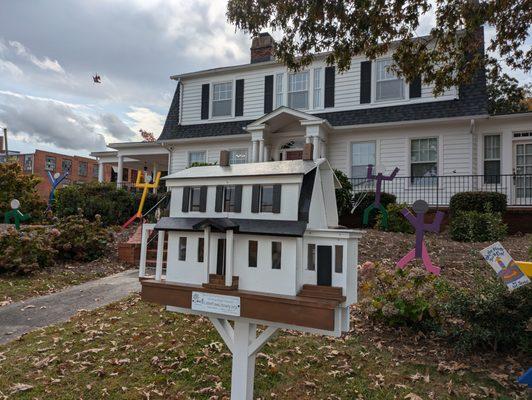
{"x":438,"y":190}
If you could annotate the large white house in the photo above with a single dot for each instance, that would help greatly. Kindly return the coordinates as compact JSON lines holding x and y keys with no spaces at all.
{"x":263,"y":112}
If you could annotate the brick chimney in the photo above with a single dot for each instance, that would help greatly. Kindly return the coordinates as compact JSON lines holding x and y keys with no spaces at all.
{"x":224,"y":158}
{"x":308,"y":152}
{"x":262,"y":48}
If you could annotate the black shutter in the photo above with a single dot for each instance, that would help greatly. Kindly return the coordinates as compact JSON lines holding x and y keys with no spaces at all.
{"x":186,"y":198}
{"x":205,"y":101}
{"x":255,"y":198}
{"x":329,"y":87}
{"x":239,"y":98}
{"x":238,"y":198}
{"x":203,"y":199}
{"x":276,"y":208}
{"x":219,"y":198}
{"x":268,"y":94}
{"x":415,"y":88}
{"x":365,"y":82}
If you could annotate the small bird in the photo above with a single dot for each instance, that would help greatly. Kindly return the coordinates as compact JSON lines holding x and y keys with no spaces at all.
{"x":97,"y":79}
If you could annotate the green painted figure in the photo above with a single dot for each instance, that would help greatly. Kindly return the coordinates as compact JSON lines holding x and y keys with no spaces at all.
{"x":378,"y":189}
{"x":15,"y":214}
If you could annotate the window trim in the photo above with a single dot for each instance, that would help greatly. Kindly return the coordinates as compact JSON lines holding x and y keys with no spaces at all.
{"x":189,"y":152}
{"x":438,"y":159}
{"x":375,"y":80}
{"x":309,"y":93}
{"x":211,"y":99}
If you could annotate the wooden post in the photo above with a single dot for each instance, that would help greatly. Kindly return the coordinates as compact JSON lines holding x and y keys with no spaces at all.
{"x":229,"y":257}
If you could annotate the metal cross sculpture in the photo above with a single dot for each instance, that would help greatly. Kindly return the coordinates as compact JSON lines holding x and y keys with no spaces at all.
{"x":421,"y":207}
{"x":55,"y":181}
{"x":15,"y":214}
{"x":146,"y":185}
{"x":378,"y":189}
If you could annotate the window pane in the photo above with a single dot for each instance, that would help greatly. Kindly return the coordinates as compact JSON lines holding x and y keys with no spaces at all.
{"x":221,"y":108}
{"x":389,"y":86}
{"x":50,"y":163}
{"x":266,"y":199}
{"x":492,"y":171}
{"x":182,"y":248}
{"x":362,"y":154}
{"x":311,"y":257}
{"x":252,"y":253}
{"x":195,"y":199}
{"x":423,"y":150}
{"x":229,"y":199}
{"x":201,"y":243}
{"x":298,"y":100}
{"x":66,"y":165}
{"x":279,"y":98}
{"x":492,"y":147}
{"x":222,"y":99}
{"x":317,"y":88}
{"x":82,"y":169}
{"x":238,"y":156}
{"x":298,"y":90}
{"x":196,"y":157}
{"x":95,"y":170}
{"x":338,"y":258}
{"x":276,"y":255}
{"x":424,"y":173}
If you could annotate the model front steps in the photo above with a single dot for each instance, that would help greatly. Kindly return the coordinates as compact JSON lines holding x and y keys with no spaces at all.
{"x":322,"y":292}
{"x":218,"y":282}
{"x":129,"y":252}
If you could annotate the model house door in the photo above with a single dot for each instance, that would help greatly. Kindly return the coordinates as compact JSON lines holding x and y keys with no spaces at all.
{"x":220,"y":257}
{"x":325,"y":265}
{"x":523,"y":172}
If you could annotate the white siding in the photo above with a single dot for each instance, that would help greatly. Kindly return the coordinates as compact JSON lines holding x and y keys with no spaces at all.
{"x":212,"y":149}
{"x":457,"y":152}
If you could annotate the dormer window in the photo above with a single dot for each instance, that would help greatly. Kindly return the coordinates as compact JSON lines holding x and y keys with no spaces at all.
{"x":389,"y":86}
{"x":298,"y":84}
{"x":229,"y":198}
{"x":222,"y":98}
{"x":266,"y":198}
{"x":195,"y":198}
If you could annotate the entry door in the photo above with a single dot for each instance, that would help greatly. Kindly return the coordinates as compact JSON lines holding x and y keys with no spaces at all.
{"x":523,"y":171}
{"x":325,"y":265}
{"x":220,"y":257}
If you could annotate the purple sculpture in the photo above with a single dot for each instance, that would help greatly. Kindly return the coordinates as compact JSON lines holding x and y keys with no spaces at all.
{"x":421,"y":207}
{"x":378,"y":189}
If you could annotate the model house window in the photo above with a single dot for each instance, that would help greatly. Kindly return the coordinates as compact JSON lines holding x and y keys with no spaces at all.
{"x":195,"y":198}
{"x":389,"y":86}
{"x":276,"y":255}
{"x":266,"y":198}
{"x":201,"y":242}
{"x":182,"y":249}
{"x":362,"y":154}
{"x":424,"y":161}
{"x":196,"y":157}
{"x":49,"y":164}
{"x":28,"y":163}
{"x":125,"y":175}
{"x":253,"y":246}
{"x":82,"y":168}
{"x":66,"y":165}
{"x":95,"y":170}
{"x":229,"y":198}
{"x":279,"y":94}
{"x":238,"y":156}
{"x":222,"y":95}
{"x":298,"y":90}
{"x":317,"y":88}
{"x":338,"y":258}
{"x":492,"y":159}
{"x":311,"y":257}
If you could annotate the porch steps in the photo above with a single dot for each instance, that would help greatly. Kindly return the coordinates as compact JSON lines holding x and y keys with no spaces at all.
{"x":322,"y":292}
{"x":218,"y":282}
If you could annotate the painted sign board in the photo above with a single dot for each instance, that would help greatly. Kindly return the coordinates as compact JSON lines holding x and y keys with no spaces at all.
{"x":504,"y":265}
{"x":216,"y":303}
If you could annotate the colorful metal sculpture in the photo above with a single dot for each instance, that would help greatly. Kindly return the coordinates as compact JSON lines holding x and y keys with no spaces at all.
{"x":15,"y":214}
{"x":421,"y":207}
{"x":378,"y":190}
{"x":55,"y":181}
{"x":526,"y":378}
{"x":146,"y":186}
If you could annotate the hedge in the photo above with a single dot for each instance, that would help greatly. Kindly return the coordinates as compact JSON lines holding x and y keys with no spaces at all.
{"x":477,"y":201}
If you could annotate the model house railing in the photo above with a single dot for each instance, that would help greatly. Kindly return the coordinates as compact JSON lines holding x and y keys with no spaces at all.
{"x":438,"y":190}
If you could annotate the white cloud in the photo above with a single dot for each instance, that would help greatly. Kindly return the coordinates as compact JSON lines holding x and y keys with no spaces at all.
{"x":44,"y":63}
{"x":9,"y":68}
{"x":144,"y":118}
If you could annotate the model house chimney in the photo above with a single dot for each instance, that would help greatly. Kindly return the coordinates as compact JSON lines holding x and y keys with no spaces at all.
{"x":262,"y":48}
{"x":224,"y":158}
{"x":308,"y":151}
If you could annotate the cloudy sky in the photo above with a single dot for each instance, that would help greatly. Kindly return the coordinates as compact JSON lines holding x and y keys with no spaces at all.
{"x":49,"y":50}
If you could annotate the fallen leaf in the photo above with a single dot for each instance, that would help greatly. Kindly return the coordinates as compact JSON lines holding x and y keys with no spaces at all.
{"x":20,"y":387}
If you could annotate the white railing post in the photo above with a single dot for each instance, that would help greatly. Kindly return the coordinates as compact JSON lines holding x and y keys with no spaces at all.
{"x":160,"y":255}
{"x":146,"y":229}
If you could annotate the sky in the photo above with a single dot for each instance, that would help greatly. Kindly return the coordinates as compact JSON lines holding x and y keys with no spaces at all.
{"x":50,"y":49}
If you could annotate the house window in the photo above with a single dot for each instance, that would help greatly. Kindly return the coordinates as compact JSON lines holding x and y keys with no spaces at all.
{"x":49,"y":164}
{"x":252,"y":253}
{"x":195,"y":198}
{"x":196,"y":157}
{"x":28,"y":163}
{"x":317,"y":88}
{"x":222,"y":95}
{"x":66,"y":165}
{"x":266,"y":198}
{"x":279,"y":95}
{"x":82,"y":168}
{"x":125,"y":175}
{"x":389,"y":86}
{"x":338,"y":258}
{"x":182,"y":248}
{"x":311,"y":257}
{"x":238,"y":156}
{"x":95,"y":170}
{"x":276,"y":255}
{"x":201,"y":242}
{"x":424,"y":161}
{"x":362,"y":154}
{"x":229,"y":198}
{"x":298,"y":90}
{"x":492,"y":159}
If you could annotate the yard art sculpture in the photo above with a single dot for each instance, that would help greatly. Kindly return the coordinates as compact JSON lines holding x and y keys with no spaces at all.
{"x":420,"y":207}
{"x":526,"y":378}
{"x":15,"y":214}
{"x":55,"y":181}
{"x":505,"y":266}
{"x":378,"y":189}
{"x":146,"y":186}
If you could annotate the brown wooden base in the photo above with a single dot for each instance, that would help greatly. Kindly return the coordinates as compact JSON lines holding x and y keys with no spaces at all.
{"x":317,"y":313}
{"x":217,"y":282}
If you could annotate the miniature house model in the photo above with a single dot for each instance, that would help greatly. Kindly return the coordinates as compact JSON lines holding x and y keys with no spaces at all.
{"x":258,"y":241}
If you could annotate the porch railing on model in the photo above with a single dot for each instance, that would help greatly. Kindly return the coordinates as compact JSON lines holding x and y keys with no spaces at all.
{"x":438,"y":190}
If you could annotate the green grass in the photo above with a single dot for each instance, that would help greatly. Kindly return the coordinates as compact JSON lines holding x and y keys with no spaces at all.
{"x":135,"y":350}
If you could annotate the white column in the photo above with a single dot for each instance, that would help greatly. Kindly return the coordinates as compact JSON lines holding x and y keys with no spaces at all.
{"x":101,"y":170}
{"x":154,"y":174}
{"x":120,"y":173}
{"x":229,"y":257}
{"x":324,"y":149}
{"x":243,"y":368}
{"x":143,"y":250}
{"x":206,"y":251}
{"x":261,"y":150}
{"x":160,"y":255}
{"x":316,"y":143}
{"x":267,"y":153}
{"x":255,"y":151}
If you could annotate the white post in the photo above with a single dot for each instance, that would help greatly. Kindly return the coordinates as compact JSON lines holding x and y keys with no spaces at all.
{"x":143,"y":250}
{"x":206,"y":251}
{"x":323,"y":149}
{"x":267,"y":153}
{"x":229,"y":257}
{"x":255,"y":151}
{"x":316,"y":153}
{"x":120,"y":173}
{"x":160,"y":255}
{"x":243,"y":369}
{"x":261,"y":150}
{"x":101,"y":167}
{"x":154,"y":173}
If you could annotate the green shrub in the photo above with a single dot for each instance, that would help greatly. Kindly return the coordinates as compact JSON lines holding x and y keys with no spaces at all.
{"x":396,"y":220}
{"x":475,"y":226}
{"x":477,"y":201}
{"x":23,"y":252}
{"x":343,"y":195}
{"x":367,"y":198}
{"x":79,"y":239}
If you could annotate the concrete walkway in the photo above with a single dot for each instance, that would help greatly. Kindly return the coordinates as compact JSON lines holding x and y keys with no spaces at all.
{"x":38,"y":312}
